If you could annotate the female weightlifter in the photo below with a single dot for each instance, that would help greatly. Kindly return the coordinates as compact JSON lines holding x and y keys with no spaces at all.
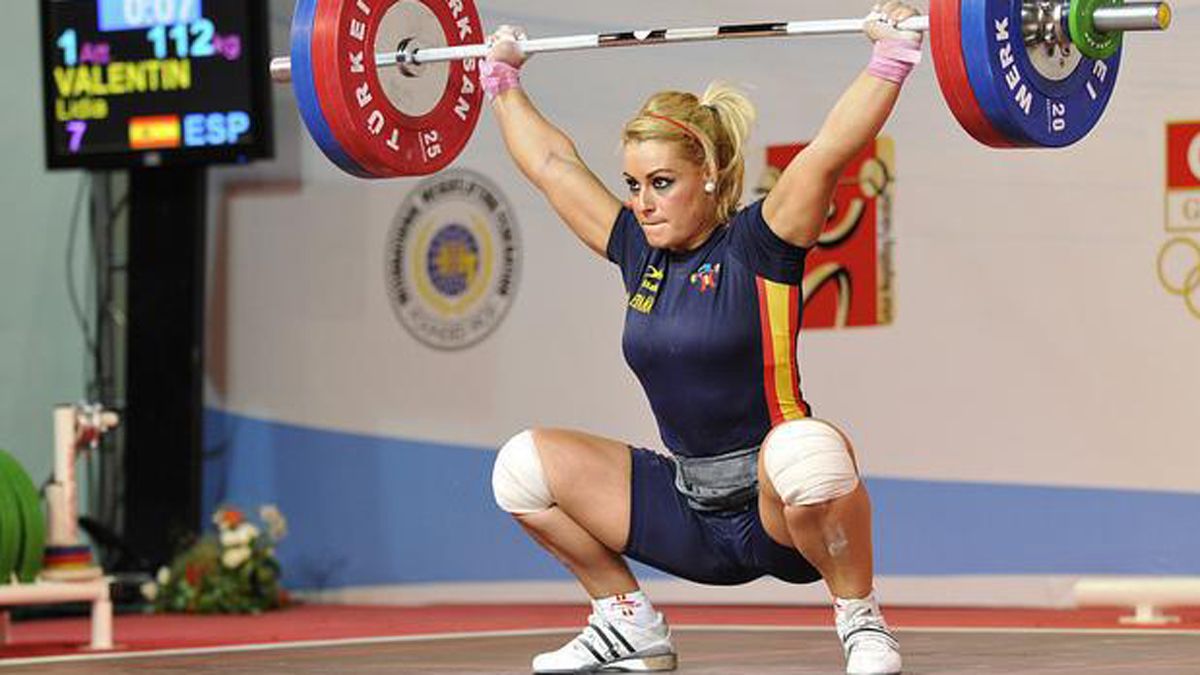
{"x":752,"y":484}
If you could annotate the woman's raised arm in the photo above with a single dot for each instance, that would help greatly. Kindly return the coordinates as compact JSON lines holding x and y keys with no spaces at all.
{"x":543,"y":152}
{"x":796,"y":207}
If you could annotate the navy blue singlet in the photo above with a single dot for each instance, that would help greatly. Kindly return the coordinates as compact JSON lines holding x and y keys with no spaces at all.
{"x":711,"y":333}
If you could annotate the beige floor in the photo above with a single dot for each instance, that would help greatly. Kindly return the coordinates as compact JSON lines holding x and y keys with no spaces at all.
{"x":704,"y":652}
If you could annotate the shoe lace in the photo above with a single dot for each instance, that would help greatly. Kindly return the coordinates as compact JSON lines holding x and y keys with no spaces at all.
{"x":861,"y":624}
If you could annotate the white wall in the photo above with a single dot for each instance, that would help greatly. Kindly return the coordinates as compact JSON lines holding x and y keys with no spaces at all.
{"x":1033,"y":344}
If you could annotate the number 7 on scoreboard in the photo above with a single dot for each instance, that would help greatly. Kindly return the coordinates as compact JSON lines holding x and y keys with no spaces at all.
{"x":75,"y":130}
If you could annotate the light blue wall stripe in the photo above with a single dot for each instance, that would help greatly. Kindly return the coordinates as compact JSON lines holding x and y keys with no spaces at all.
{"x":364,"y":510}
{"x":367,"y":510}
{"x":978,"y":528}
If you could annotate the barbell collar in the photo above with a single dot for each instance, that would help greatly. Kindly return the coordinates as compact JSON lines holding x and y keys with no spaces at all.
{"x":281,"y":69}
{"x":1138,"y":16}
{"x":1133,"y":16}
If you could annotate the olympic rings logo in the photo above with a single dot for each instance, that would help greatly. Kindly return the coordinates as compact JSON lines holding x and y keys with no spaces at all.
{"x":1178,"y":264}
{"x":1179,"y":269}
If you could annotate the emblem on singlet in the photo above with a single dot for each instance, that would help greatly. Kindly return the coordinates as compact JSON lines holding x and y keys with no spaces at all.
{"x":643,"y":300}
{"x":704,"y":279}
{"x":453,"y":257}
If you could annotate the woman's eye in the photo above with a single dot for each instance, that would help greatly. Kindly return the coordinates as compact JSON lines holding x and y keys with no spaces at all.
{"x":633,"y":186}
{"x":662,"y":183}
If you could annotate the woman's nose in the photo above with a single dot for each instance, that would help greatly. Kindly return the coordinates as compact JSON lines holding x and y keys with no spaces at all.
{"x":644,"y":201}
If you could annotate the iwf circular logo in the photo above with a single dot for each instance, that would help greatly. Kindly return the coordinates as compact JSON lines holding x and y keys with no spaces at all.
{"x":453,"y":258}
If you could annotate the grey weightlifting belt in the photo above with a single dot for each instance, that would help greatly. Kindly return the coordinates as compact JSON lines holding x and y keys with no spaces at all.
{"x":727,"y":482}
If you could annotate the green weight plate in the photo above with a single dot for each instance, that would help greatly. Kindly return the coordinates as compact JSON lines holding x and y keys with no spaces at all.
{"x":10,"y":527}
{"x":1092,"y":43}
{"x":33,"y":541}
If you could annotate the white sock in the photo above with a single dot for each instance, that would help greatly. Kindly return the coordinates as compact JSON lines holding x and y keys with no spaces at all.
{"x":632,"y":608}
{"x":841,"y":603}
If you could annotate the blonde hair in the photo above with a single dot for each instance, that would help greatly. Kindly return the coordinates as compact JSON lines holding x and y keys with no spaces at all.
{"x":710,"y":130}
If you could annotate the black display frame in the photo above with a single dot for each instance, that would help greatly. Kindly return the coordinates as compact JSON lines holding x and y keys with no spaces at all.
{"x":258,"y":52}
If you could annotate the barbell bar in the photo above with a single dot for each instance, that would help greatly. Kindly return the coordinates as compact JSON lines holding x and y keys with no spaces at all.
{"x":1142,"y":16}
{"x":389,"y":87}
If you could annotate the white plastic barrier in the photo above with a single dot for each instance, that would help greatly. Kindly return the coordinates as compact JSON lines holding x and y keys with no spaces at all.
{"x":49,"y":592}
{"x":1147,"y":595}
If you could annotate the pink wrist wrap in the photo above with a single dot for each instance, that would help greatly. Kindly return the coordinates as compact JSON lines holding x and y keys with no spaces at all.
{"x":498,"y":77}
{"x":894,"y":59}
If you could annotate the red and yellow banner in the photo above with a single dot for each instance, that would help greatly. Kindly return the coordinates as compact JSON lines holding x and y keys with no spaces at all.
{"x":848,"y":275}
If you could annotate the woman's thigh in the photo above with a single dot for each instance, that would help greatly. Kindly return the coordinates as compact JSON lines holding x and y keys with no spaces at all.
{"x":588,"y":477}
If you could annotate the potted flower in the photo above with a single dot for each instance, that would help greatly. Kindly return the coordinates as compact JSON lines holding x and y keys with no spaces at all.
{"x":233,"y":570}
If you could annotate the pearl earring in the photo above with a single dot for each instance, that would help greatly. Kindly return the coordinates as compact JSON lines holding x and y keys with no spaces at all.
{"x":710,"y":187}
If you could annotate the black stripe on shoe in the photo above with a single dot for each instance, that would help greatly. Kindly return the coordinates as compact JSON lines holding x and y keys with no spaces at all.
{"x":600,"y":660}
{"x":870,"y":629}
{"x":613,"y":629}
{"x":607,"y":643}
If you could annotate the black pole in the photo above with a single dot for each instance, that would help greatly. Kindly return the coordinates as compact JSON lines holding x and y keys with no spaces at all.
{"x":167,"y":209}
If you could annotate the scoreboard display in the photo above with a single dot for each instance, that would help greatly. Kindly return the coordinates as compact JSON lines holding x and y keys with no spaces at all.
{"x":155,"y":82}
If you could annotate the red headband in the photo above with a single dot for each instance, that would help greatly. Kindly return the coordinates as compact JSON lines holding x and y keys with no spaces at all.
{"x":683,"y":127}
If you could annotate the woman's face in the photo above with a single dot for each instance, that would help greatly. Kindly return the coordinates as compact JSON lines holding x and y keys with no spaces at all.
{"x":666,"y":193}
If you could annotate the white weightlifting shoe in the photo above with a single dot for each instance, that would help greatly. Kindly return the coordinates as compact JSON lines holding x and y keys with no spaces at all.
{"x":612,"y":647}
{"x":869,"y":645}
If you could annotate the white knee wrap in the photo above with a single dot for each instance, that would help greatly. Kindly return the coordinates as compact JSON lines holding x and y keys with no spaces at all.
{"x":517,"y":479}
{"x":808,"y":462}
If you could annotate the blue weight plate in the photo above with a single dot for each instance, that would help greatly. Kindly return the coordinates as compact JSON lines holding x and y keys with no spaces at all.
{"x":306,"y":92}
{"x":1021,"y":103}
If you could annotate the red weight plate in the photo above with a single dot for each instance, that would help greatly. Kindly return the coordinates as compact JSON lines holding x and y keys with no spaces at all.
{"x":328,"y":84}
{"x":945,"y":36}
{"x":373,"y":130}
{"x":438,"y":136}
{"x":327,"y":87}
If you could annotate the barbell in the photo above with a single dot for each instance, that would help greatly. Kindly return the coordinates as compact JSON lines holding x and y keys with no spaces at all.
{"x":389,"y":88}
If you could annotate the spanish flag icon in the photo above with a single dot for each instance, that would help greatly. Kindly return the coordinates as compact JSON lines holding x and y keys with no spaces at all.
{"x":151,"y":133}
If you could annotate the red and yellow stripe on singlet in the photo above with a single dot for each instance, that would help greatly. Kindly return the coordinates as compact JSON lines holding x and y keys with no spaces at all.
{"x":779,"y":311}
